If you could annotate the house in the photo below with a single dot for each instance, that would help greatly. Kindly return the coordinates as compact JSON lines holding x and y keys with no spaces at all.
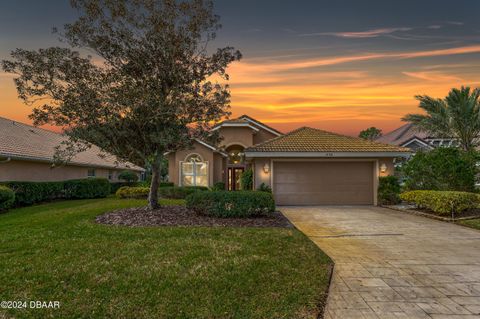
{"x":408,"y":136}
{"x":304,"y":167}
{"x":26,"y":154}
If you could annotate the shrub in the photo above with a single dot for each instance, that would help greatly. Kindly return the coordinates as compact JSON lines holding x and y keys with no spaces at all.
{"x":388,"y":190}
{"x":128,"y":176}
{"x":264,"y":188}
{"x":231,"y":204}
{"x":87,"y":188}
{"x":246,"y":180}
{"x":29,"y":193}
{"x":7,"y":198}
{"x":442,"y":202}
{"x":114,"y":187}
{"x":132,"y":192}
{"x":218,"y":186}
{"x":179,"y":192}
{"x":442,"y":169}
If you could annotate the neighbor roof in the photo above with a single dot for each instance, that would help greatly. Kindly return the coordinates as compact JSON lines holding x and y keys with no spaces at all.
{"x":402,"y":135}
{"x":26,"y":142}
{"x":307,"y":139}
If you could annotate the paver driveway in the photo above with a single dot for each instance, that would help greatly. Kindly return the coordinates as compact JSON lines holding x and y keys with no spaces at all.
{"x":394,"y":265}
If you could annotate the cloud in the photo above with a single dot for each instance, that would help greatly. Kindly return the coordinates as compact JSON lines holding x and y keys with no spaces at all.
{"x":455,"y":23}
{"x":433,"y":76}
{"x":434,"y":26}
{"x":360,"y":34}
{"x":265,"y":66}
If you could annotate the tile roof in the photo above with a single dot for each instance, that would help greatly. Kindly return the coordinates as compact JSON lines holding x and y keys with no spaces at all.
{"x":401,"y":135}
{"x":22,"y":141}
{"x":306,"y":139}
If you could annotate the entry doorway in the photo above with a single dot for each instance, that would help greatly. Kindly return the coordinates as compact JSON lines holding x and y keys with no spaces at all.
{"x":234,"y":176}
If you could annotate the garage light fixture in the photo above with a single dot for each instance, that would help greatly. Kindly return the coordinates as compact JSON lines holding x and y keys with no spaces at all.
{"x":266,"y":168}
{"x":383,"y":168}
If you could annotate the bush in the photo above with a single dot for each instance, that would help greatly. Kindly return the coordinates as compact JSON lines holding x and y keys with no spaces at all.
{"x":179,"y":192}
{"x":264,"y":188}
{"x":114,"y":187}
{"x":7,"y":198}
{"x":388,"y":190}
{"x":231,"y":204}
{"x":246,"y":180}
{"x":442,"y":202}
{"x":443,"y":169}
{"x":128,"y":176}
{"x":87,"y":188}
{"x":218,"y":186}
{"x":132,"y":192}
{"x":29,"y":193}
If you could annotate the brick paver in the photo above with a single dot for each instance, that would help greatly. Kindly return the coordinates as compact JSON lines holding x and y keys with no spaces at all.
{"x":394,"y":265}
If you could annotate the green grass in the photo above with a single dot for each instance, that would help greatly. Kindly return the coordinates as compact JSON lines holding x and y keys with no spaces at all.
{"x":474,"y":223}
{"x":56,"y":252}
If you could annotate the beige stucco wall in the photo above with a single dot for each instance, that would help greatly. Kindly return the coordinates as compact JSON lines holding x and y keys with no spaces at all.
{"x":236,"y":136}
{"x":42,"y":172}
{"x":215,"y":163}
{"x":262,"y":136}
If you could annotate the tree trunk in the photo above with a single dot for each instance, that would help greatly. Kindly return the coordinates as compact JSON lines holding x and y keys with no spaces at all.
{"x":153,"y":202}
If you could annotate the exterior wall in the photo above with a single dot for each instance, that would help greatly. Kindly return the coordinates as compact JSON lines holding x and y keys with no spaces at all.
{"x":259,"y":175}
{"x":215,"y":166}
{"x":236,"y":135}
{"x":42,"y":172}
{"x":219,"y":166}
{"x":262,"y":136}
{"x":388,"y":161}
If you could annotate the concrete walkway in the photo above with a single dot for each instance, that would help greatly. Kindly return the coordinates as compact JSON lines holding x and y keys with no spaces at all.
{"x":394,"y":265}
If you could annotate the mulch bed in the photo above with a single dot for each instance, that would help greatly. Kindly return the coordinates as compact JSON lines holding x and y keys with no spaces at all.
{"x":181,"y":216}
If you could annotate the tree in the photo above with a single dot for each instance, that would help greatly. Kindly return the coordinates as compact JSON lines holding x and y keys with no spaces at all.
{"x":457,"y":116}
{"x":441,"y":169}
{"x":371,"y":133}
{"x":148,"y":89}
{"x":128,"y":176}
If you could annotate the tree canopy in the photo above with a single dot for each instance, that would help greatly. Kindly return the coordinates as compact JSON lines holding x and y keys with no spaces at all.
{"x":371,"y":133}
{"x":148,"y":87}
{"x":455,"y":116}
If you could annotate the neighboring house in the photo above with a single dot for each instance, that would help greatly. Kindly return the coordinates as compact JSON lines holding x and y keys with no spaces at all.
{"x":26,"y":154}
{"x":304,"y":167}
{"x":408,"y":136}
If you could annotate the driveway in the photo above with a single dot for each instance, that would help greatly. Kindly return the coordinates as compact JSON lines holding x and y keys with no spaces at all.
{"x":394,"y":265}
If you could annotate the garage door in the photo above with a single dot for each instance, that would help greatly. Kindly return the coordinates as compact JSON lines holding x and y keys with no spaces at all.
{"x":323,"y":183}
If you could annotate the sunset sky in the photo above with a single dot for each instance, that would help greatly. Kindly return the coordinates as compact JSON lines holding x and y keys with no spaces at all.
{"x":336,"y":65}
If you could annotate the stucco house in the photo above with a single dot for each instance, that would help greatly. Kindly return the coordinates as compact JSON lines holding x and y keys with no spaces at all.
{"x":408,"y":136}
{"x":26,"y":154}
{"x":304,"y":167}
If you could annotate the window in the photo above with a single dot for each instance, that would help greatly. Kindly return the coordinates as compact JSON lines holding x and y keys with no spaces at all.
{"x":110,"y":174}
{"x":236,"y":155}
{"x":194,"y":171}
{"x":91,"y":172}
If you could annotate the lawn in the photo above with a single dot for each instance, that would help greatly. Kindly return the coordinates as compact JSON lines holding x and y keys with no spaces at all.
{"x":474,"y":223}
{"x":55,"y":252}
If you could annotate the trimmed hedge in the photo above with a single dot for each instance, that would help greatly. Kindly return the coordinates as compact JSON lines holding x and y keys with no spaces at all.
{"x":442,"y":202}
{"x":7,"y":198}
{"x":388,"y":190}
{"x":179,"y":192}
{"x":264,"y":188}
{"x":116,"y":186}
{"x":29,"y":193}
{"x":133,"y":192}
{"x":231,"y":204}
{"x":87,"y":188}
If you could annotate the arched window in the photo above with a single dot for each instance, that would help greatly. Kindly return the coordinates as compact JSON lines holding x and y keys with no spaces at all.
{"x":236,"y":155}
{"x":194,"y":171}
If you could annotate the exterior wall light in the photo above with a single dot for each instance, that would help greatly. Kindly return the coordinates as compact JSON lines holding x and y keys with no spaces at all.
{"x":266,"y":168}
{"x":383,"y":168}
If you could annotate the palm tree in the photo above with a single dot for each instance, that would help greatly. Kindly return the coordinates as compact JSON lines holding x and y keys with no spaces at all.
{"x":456,"y":116}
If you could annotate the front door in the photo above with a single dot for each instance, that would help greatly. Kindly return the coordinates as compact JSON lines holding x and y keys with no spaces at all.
{"x":234,"y":175}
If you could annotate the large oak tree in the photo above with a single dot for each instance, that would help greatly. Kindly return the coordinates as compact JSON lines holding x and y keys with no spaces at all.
{"x":147,"y":89}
